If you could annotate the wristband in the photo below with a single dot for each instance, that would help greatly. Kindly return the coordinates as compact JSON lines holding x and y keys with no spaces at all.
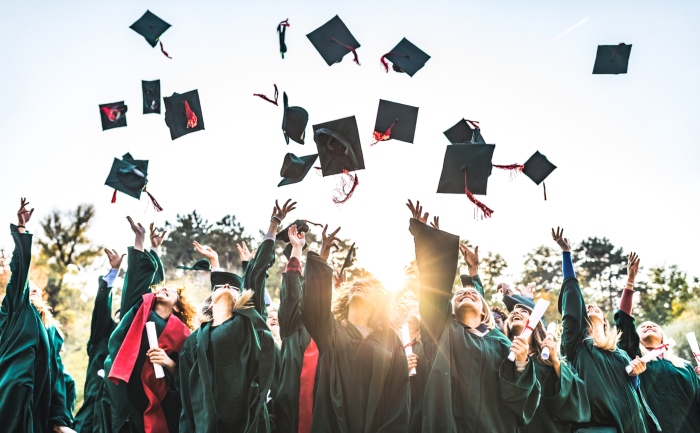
{"x":21,"y":227}
{"x":630,"y":284}
{"x":275,"y":217}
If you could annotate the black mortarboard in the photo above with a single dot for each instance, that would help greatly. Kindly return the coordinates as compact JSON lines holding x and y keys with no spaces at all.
{"x":463,"y":132}
{"x":333,"y":41}
{"x":349,"y":259}
{"x":395,"y":121}
{"x":219,"y":278}
{"x":128,"y":175}
{"x":150,"y":27}
{"x":294,"y":122}
{"x":475,"y":161}
{"x":183,"y":113}
{"x":339,"y":147}
{"x":281,"y":30}
{"x":466,"y":281}
{"x":538,"y":168}
{"x":199,"y":265}
{"x":612,"y":59}
{"x":295,"y":168}
{"x":511,"y":301}
{"x":406,"y":57}
{"x":113,"y":115}
{"x":151,"y":96}
{"x":302,"y":227}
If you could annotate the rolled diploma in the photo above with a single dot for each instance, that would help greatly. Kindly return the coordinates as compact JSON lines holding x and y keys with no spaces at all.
{"x":693,"y":342}
{"x":153,"y":343}
{"x":535,"y":317}
{"x":551,"y":329}
{"x":652,"y":355}
{"x":406,"y":337}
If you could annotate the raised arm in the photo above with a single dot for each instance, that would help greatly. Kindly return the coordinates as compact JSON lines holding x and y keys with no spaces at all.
{"x":629,"y":341}
{"x":17,"y":294}
{"x":140,"y":271}
{"x":289,"y":312}
{"x":471,"y":258}
{"x":102,"y":324}
{"x":571,"y":304}
{"x":317,"y":295}
{"x":156,"y":241}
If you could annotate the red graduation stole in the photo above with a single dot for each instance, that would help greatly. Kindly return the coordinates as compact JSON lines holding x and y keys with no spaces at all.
{"x":306,"y":387}
{"x":171,"y":340}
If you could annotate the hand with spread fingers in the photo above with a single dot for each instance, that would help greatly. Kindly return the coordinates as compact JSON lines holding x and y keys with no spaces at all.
{"x":471,"y":258}
{"x":632,"y":267}
{"x":417,"y":211}
{"x":528,"y":290}
{"x":559,"y":238}
{"x":23,"y":215}
{"x":436,"y":223}
{"x":115,"y":260}
{"x":328,"y":242}
{"x":244,"y":253}
{"x":139,"y":231}
{"x":156,"y":238}
{"x":280,"y":212}
{"x":207,"y":252}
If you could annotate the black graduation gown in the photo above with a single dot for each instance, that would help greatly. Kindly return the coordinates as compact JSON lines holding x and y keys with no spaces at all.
{"x":472,"y":386}
{"x":673,"y":393}
{"x":363,"y":384}
{"x":418,"y":382}
{"x":101,"y":327}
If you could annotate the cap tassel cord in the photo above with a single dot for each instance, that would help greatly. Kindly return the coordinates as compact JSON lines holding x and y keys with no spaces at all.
{"x":113,"y":113}
{"x":378,"y":136}
{"x":162,"y":50}
{"x":544,"y":187}
{"x":384,"y":62}
{"x":473,"y":123}
{"x":615,"y":50}
{"x":191,"y":117}
{"x":114,"y":196}
{"x":484,"y":210}
{"x":277,"y":93}
{"x":354,"y":53}
{"x":514,"y":169}
{"x":344,"y":195}
{"x":157,"y":206}
{"x":313,"y":223}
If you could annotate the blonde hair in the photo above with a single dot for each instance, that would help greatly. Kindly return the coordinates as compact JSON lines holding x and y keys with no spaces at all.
{"x":671,"y":357}
{"x":44,"y":310}
{"x":486,"y":316}
{"x":383,"y":317}
{"x":610,"y":335}
{"x":244,"y":301}
{"x":538,"y":336}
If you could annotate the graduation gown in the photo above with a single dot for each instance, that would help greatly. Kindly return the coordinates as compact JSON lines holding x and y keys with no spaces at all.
{"x":299,"y":361}
{"x":101,"y":327}
{"x":472,"y":386}
{"x":70,"y":393}
{"x":32,"y":395}
{"x":673,"y":393}
{"x":611,"y":392}
{"x":62,"y":401}
{"x":127,"y":402}
{"x":226,"y":370}
{"x":363,"y":383}
{"x":418,"y":382}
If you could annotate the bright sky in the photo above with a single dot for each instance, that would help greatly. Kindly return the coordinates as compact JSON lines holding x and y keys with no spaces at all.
{"x":626,"y":145}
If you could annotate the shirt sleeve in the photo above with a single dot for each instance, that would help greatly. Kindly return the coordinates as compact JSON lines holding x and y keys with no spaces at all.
{"x":110,"y":277}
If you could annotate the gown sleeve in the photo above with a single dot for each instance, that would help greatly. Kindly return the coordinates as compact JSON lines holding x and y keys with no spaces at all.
{"x":519,"y":392}
{"x":159,"y":274}
{"x":256,"y":274}
{"x":316,"y":298}
{"x":566,"y":397}
{"x":476,"y":280}
{"x":289,"y":312}
{"x":101,"y":324}
{"x":185,"y":367}
{"x":629,"y":340}
{"x":59,"y":412}
{"x":16,"y":294}
{"x":139,"y":276}
{"x":574,"y":316}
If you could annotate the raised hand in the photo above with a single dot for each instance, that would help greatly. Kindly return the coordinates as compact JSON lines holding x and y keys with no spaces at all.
{"x":417,"y":211}
{"x":559,"y":238}
{"x":115,"y":260}
{"x":23,"y":215}
{"x":632,"y":267}
{"x":244,"y":253}
{"x":296,"y":238}
{"x":471,"y":258}
{"x":505,"y":289}
{"x":139,"y":231}
{"x":280,"y":212}
{"x":156,"y":238}
{"x":328,"y":242}
{"x":436,"y":223}
{"x":528,"y":291}
{"x":207,"y":252}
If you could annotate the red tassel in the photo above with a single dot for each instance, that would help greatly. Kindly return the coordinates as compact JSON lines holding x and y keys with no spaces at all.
{"x":514,"y":169}
{"x":154,"y":201}
{"x":277,"y":93}
{"x":191,"y":117}
{"x":312,"y":223}
{"x":485,"y":210}
{"x":354,"y":53}
{"x":378,"y":136}
{"x":114,"y":196}
{"x":544,"y":187}
{"x":163,"y":51}
{"x":473,"y":123}
{"x":385,"y":64}
{"x":284,"y":23}
{"x":113,"y":113}
{"x":615,"y":50}
{"x":342,"y":190}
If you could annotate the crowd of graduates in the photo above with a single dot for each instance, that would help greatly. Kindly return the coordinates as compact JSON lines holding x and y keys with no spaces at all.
{"x":331,"y":356}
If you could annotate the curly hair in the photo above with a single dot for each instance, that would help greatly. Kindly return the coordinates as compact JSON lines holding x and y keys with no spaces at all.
{"x":185,"y":310}
{"x":382,"y":317}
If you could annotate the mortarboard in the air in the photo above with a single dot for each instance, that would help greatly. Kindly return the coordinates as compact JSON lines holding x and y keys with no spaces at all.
{"x":199,"y":265}
{"x":130,"y":176}
{"x":333,"y":41}
{"x":349,"y":258}
{"x":462,"y":132}
{"x":302,"y":227}
{"x":151,"y":96}
{"x":466,"y":170}
{"x":294,"y":122}
{"x":538,"y":168}
{"x":113,"y":115}
{"x":612,"y":59}
{"x":395,"y":121}
{"x":295,"y":168}
{"x":220,"y":278}
{"x":183,"y":113}
{"x":405,"y":57}
{"x":281,"y":30}
{"x":151,"y":28}
{"x":439,"y":250}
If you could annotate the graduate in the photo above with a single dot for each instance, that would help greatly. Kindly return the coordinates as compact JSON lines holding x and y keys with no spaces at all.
{"x":669,"y":384}
{"x":419,"y":361}
{"x":472,"y":385}
{"x":363,"y":383}
{"x":564,"y":399}
{"x":32,"y":383}
{"x":227,"y":365}
{"x":138,"y":401}
{"x":591,"y":347}
{"x":101,"y":327}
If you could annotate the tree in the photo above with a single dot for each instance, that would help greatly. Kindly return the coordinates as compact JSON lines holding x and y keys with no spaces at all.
{"x":543,"y":268}
{"x":602,"y":267}
{"x":666,"y":296}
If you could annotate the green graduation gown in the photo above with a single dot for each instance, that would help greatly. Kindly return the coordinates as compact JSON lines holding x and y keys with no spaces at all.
{"x":101,"y":328}
{"x":673,"y":393}
{"x":472,"y":386}
{"x":611,"y":392}
{"x":226,"y":370}
{"x":70,"y":392}
{"x":61,"y":406}
{"x":363,"y":384}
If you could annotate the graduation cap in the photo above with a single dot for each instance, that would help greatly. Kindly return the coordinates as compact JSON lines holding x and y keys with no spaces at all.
{"x":612,"y":59}
{"x":466,"y":170}
{"x":295,"y":168}
{"x":394,"y":120}
{"x":151,"y":96}
{"x":302,"y":227}
{"x":405,"y":57}
{"x":294,"y":122}
{"x":130,"y":176}
{"x":220,"y":278}
{"x":538,"y":168}
{"x":466,"y":281}
{"x":465,"y":131}
{"x":113,"y":115}
{"x":281,"y":30}
{"x":349,"y":259}
{"x":199,"y":265}
{"x":151,"y":28}
{"x":333,"y":41}
{"x":183,"y":113}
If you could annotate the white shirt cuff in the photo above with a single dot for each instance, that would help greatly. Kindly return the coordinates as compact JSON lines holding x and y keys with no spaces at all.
{"x":111,"y":276}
